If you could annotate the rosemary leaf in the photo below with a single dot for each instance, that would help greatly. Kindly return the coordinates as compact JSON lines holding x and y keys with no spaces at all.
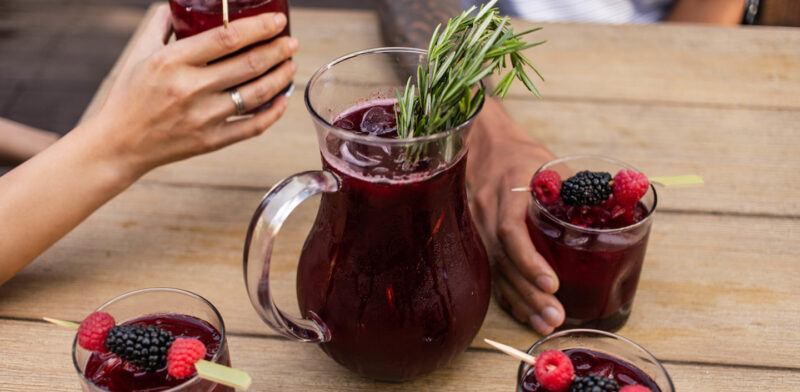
{"x":466,"y":50}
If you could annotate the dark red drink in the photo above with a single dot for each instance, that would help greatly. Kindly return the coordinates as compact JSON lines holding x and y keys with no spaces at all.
{"x":108,"y":371}
{"x":190,"y":17}
{"x":598,"y":271}
{"x":393,"y":266}
{"x":597,"y":251}
{"x":586,"y":362}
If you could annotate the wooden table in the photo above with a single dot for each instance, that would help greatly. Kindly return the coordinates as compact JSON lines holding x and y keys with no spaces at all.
{"x":719,"y":298}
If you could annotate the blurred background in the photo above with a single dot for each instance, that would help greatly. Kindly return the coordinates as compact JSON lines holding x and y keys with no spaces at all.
{"x":55,"y":53}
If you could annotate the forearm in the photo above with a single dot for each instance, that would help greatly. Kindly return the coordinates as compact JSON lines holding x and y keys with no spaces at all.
{"x":411,"y":22}
{"x":725,"y":12}
{"x":50,"y":194}
{"x":19,"y":142}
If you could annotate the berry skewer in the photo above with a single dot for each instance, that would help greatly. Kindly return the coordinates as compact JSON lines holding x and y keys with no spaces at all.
{"x":554,"y":371}
{"x":665,"y":181}
{"x":151,"y":348}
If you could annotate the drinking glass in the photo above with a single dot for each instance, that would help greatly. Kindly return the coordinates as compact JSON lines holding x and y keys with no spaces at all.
{"x":598,"y":269}
{"x":603,"y":342}
{"x":156,"y":301}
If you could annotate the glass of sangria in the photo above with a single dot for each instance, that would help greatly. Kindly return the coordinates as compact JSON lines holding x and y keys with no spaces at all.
{"x":597,"y":251}
{"x":190,"y":17}
{"x":393,"y":279}
{"x":182,"y":314}
{"x":602,"y":354}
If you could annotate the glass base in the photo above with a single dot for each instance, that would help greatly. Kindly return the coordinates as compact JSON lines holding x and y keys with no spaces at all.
{"x":611,"y":323}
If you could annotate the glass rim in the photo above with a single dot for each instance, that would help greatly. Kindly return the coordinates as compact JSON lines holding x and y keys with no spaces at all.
{"x":589,"y":331}
{"x":592,"y":229}
{"x":147,"y":290}
{"x":352,"y":136}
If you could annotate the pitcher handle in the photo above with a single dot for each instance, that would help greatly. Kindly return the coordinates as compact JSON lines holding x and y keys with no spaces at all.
{"x":267,"y":220}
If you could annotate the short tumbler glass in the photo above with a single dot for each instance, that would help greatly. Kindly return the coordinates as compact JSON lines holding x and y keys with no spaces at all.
{"x":150,"y":301}
{"x":603,"y":342}
{"x":598,"y":269}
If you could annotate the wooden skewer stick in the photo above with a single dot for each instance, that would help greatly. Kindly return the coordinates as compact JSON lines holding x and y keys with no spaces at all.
{"x":524,"y":357}
{"x":225,"y":19}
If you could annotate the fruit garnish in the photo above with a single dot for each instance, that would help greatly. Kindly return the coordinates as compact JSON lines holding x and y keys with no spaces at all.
{"x":629,"y":187}
{"x":93,"y":331}
{"x":592,"y":383}
{"x":183,"y":354}
{"x":144,"y":346}
{"x":586,"y":188}
{"x":546,"y":186}
{"x":151,"y":348}
{"x":554,"y":370}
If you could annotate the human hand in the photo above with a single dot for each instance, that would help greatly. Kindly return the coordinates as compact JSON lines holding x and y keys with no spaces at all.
{"x":166,"y":104}
{"x":502,"y":157}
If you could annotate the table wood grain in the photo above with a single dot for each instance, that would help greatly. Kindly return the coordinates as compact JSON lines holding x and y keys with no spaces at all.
{"x":719,"y":294}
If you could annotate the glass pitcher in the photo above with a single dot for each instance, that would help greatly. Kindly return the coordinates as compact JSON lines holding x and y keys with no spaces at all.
{"x":393,"y":279}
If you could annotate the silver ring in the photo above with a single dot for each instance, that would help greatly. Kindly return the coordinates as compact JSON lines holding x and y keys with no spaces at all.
{"x":238,"y":102}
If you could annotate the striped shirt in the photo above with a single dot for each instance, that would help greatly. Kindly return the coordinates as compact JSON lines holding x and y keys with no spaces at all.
{"x":594,"y":11}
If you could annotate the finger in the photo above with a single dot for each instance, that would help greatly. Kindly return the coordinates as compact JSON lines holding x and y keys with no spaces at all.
{"x":243,"y":129}
{"x":220,"y":41}
{"x":539,"y":321}
{"x":249,"y":65}
{"x":152,"y":37}
{"x":516,"y":241}
{"x":259,"y":91}
{"x":546,"y":305}
{"x":518,"y":308}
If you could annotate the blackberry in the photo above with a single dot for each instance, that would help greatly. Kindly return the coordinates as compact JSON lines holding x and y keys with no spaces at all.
{"x":593,"y":383}
{"x":586,"y":188}
{"x":144,"y":346}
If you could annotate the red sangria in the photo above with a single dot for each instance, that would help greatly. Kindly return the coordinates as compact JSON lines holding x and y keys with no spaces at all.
{"x":393,"y":280}
{"x":393,"y":266}
{"x":116,"y":351}
{"x":190,"y":17}
{"x":592,"y":229}
{"x":581,"y":360}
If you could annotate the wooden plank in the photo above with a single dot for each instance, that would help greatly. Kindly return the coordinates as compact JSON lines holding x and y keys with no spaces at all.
{"x":717,"y":284}
{"x":279,"y":365}
{"x":746,"y":156}
{"x":668,"y":63}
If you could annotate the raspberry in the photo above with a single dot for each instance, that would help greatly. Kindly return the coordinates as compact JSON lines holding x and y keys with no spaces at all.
{"x":93,"y":330}
{"x":546,"y":186}
{"x":182,"y":356}
{"x":635,"y":388}
{"x":586,"y":188}
{"x":554,"y":370}
{"x":629,"y":187}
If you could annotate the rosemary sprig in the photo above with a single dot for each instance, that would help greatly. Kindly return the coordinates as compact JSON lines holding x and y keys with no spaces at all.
{"x":447,"y":91}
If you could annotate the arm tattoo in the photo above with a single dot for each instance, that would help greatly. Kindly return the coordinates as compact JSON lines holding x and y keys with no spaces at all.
{"x":411,"y":22}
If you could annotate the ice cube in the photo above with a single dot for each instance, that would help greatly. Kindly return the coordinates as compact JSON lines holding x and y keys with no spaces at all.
{"x":378,"y":121}
{"x":574,"y":239}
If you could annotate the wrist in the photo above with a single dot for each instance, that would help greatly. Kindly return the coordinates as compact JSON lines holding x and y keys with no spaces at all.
{"x":99,"y":153}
